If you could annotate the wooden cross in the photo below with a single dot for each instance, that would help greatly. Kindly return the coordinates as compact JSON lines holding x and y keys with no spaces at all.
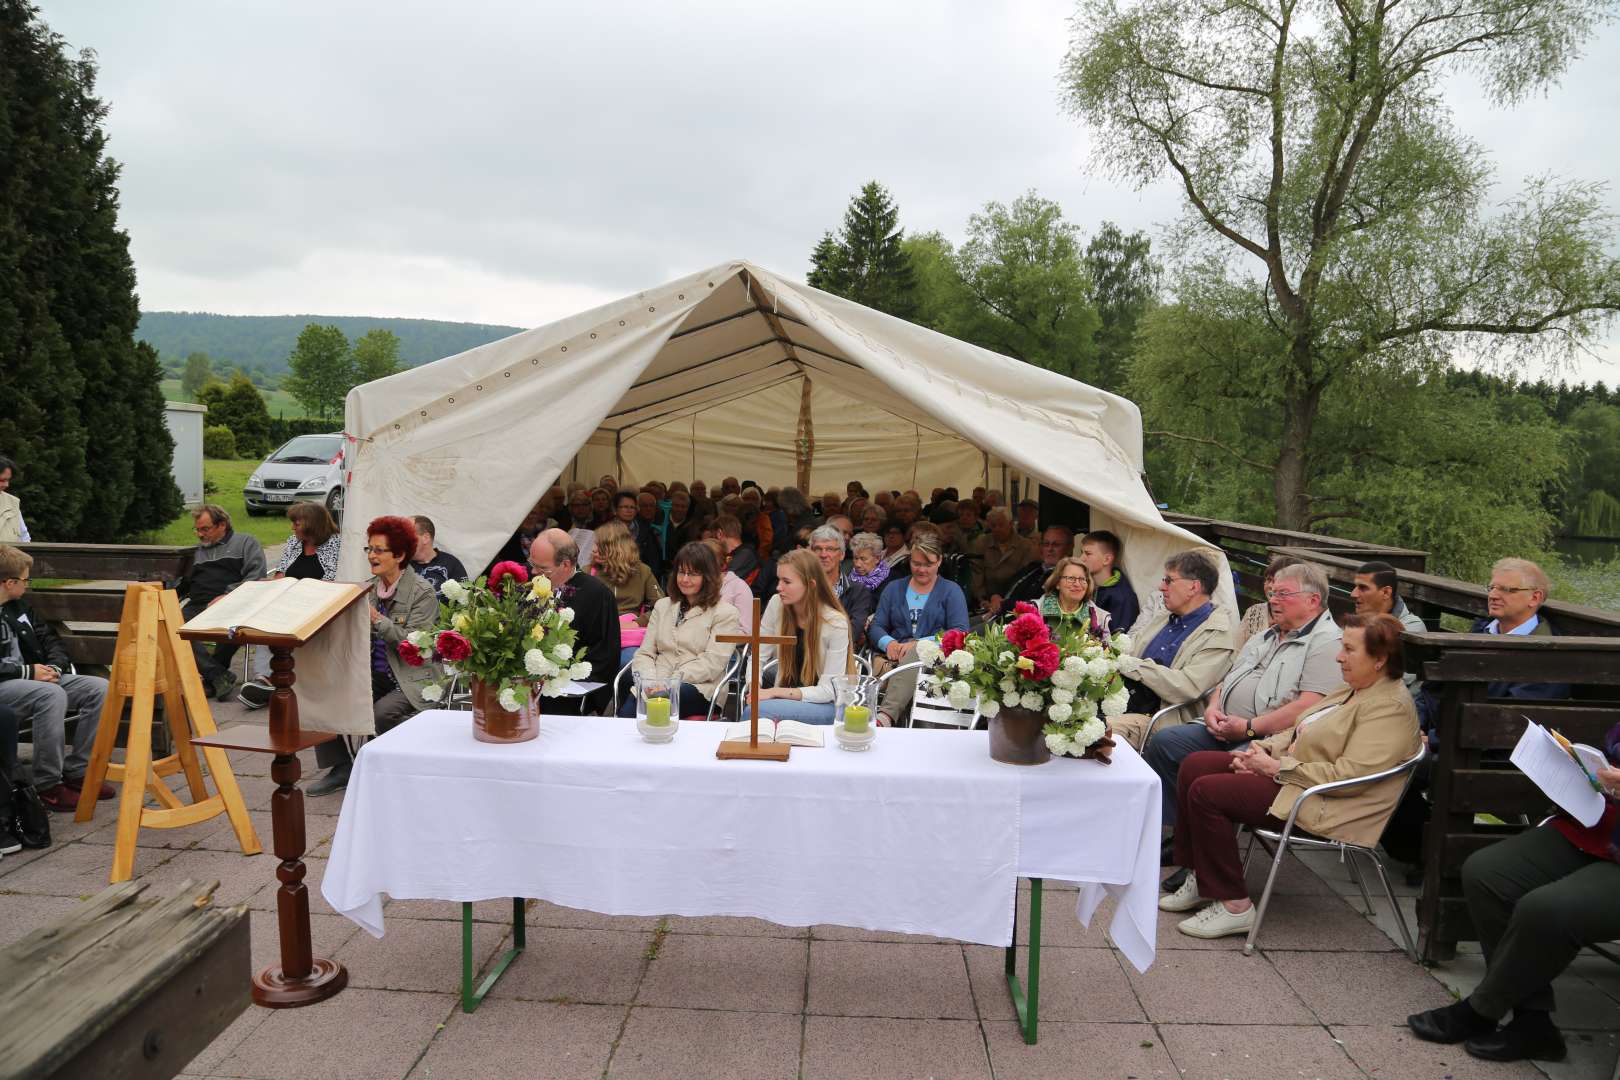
{"x":751,"y":750}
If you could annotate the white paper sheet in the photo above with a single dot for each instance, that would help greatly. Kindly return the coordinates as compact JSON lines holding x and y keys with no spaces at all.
{"x":1540,"y":757}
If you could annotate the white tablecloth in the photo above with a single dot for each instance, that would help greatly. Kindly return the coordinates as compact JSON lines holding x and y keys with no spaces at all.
{"x":922,"y":834}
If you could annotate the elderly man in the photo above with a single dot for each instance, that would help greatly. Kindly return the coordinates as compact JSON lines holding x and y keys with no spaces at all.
{"x":1374,"y":594}
{"x":1275,"y":679}
{"x":225,"y":559}
{"x":828,"y":546}
{"x":555,"y":556}
{"x":1028,"y":521}
{"x":1101,"y":551}
{"x":1181,"y":653}
{"x":35,"y":684}
{"x":968,"y":526}
{"x":907,"y":509}
{"x":1002,"y":556}
{"x":730,"y":486}
{"x":1056,"y":542}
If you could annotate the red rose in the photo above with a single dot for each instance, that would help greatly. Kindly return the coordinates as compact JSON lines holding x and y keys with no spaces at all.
{"x":952,"y":641}
{"x":410,"y":654}
{"x":452,"y":646}
{"x":504,"y":570}
{"x":1028,"y":629}
{"x":1024,"y":607}
{"x":1046,"y":656}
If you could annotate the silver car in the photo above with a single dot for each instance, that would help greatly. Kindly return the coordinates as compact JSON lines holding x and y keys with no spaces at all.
{"x":308,"y":468}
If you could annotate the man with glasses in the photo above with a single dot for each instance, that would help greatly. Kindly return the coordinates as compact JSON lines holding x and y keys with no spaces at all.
{"x":225,"y":559}
{"x":827,"y":544}
{"x":555,"y":557}
{"x":1181,"y":653}
{"x":1275,"y":679}
{"x":1056,"y":542}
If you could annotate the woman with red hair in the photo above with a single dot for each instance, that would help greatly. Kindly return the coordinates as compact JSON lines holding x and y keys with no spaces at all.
{"x":401,"y":601}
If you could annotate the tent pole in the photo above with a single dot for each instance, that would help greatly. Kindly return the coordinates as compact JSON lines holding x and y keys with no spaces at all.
{"x":618,"y":456}
{"x":805,"y":444}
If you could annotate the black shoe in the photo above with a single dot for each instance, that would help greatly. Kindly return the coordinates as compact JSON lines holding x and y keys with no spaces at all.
{"x":1531,"y":1035}
{"x":335,"y":780}
{"x":225,"y":686}
{"x":255,"y":695}
{"x":1452,"y":1024}
{"x":1167,"y":851}
{"x":1175,"y":880}
{"x":10,"y":842}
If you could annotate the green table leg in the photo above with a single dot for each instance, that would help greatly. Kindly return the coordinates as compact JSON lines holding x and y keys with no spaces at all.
{"x":470,"y":998}
{"x":1027,"y":1008}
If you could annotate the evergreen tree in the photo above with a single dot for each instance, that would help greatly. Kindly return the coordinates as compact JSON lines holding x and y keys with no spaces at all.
{"x":154,"y":503}
{"x":867,"y":262}
{"x":321,"y":370}
{"x":1124,"y":284}
{"x":76,"y":391}
{"x":241,"y":408}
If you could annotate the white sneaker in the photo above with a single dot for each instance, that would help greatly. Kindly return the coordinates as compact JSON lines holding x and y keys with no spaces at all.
{"x":1183,"y":899}
{"x":1216,"y":922}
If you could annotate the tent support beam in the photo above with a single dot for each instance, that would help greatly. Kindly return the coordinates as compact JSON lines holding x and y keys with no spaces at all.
{"x":758,"y":296}
{"x":805,"y":445}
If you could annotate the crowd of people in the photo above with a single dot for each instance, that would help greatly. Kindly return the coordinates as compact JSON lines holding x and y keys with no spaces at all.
{"x":1237,"y":717}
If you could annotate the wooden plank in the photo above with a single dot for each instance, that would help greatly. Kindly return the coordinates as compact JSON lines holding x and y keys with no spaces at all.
{"x":1458,"y":847}
{"x":64,"y":605}
{"x":1484,"y":660}
{"x":89,"y":651}
{"x":1503,"y":792}
{"x":1497,"y":726}
{"x":115,"y":562}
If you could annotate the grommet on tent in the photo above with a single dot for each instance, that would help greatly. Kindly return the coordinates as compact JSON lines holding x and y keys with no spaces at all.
{"x":424,"y":412}
{"x":480,"y":386}
{"x":565,"y":348}
{"x":651,"y":309}
{"x":593,"y":335}
{"x":680,"y":296}
{"x":452,"y":401}
{"x":621,"y":322}
{"x":508,"y":374}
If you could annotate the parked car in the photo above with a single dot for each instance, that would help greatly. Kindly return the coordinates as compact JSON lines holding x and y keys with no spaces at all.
{"x":306,"y":468}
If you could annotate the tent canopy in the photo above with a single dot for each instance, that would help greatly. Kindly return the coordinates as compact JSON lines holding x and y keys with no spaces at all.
{"x":734,"y":371}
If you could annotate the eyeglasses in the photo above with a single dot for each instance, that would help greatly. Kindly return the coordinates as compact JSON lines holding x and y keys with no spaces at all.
{"x":1508,"y":589}
{"x":377,"y":551}
{"x":1168,"y":580}
{"x":1281,"y":594}
{"x":1071,"y":581}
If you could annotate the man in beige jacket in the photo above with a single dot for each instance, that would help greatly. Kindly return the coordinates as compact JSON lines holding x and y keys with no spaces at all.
{"x":1181,"y":654}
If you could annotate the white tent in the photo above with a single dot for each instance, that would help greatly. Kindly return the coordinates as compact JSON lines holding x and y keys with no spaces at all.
{"x":735,"y":371}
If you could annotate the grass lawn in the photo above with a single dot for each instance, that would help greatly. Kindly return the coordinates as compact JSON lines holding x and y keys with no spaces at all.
{"x":226,"y":478}
{"x":279,"y":402}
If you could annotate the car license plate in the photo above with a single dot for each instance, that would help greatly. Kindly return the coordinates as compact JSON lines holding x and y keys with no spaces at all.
{"x":269,"y":497}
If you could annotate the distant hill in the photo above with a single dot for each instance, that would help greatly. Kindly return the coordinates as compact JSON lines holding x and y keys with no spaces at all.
{"x":264,"y":341}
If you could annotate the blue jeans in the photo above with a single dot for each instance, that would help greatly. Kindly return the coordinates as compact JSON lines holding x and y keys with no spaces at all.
{"x":1165,"y":752}
{"x":806,"y":712}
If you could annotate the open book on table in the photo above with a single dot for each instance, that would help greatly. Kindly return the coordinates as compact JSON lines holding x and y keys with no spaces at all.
{"x":294,"y":607}
{"x":1565,"y":771}
{"x":788,"y":732}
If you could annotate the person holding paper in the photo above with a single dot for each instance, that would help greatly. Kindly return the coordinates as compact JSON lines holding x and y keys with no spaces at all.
{"x":806,"y":609}
{"x":1536,"y":899}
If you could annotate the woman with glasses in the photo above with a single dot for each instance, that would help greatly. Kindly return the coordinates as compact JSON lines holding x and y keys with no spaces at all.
{"x":682,"y":635}
{"x":1066,"y":601}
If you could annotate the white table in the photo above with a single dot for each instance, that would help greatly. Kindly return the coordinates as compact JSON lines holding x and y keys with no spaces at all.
{"x":922,"y":834}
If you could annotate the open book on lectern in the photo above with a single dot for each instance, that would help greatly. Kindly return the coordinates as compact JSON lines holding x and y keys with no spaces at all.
{"x":290,"y":607}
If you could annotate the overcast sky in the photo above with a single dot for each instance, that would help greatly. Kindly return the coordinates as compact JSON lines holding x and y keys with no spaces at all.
{"x":516,"y":162}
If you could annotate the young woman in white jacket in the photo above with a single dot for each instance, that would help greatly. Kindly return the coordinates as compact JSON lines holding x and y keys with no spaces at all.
{"x":806,"y":609}
{"x":680,"y":640}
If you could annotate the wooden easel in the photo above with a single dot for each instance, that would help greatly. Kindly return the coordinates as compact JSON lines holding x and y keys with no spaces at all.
{"x":150,"y":659}
{"x":752,"y":750}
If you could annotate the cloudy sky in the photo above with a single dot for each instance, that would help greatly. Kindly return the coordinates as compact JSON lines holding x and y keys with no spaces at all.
{"x":515,"y":162}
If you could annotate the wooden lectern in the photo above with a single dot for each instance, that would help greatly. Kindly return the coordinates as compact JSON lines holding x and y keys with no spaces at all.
{"x":752,"y":750}
{"x":301,"y":978}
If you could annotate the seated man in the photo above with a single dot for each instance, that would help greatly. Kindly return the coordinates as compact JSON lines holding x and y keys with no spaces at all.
{"x":555,"y":556}
{"x":1002,"y":555}
{"x":1275,"y":679}
{"x":1181,"y":653}
{"x":1101,"y":551}
{"x":435,"y":566}
{"x":1374,"y":594}
{"x":1056,"y":542}
{"x":1027,"y":522}
{"x":35,"y":684}
{"x":827,"y":545}
{"x":968,"y":526}
{"x":225,"y":559}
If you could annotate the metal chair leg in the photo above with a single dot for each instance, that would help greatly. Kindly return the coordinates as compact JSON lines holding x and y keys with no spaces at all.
{"x":1400,"y":919}
{"x":1355,"y":872}
{"x":1265,"y":897}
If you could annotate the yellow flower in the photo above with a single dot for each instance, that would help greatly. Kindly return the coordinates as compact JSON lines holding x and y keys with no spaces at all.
{"x":540,"y":587}
{"x":539,"y":631}
{"x":461,"y":622}
{"x":1025,"y":664}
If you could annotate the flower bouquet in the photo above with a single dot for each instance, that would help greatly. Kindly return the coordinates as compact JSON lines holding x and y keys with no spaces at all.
{"x":511,"y":639}
{"x":1044,"y":692}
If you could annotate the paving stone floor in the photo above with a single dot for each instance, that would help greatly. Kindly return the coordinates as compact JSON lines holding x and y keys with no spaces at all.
{"x":1326,"y":995}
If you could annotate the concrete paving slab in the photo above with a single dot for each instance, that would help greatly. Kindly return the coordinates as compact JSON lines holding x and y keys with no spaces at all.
{"x":1359,"y":988}
{"x":1169,"y":939}
{"x":1076,"y":984}
{"x":528,"y":1039}
{"x":1072,"y":1049}
{"x":857,"y":978}
{"x":601,"y":967}
{"x":1061,"y":926}
{"x":328,"y":934}
{"x":361,"y":1034}
{"x":176,"y":839}
{"x":416,"y":955}
{"x":242,"y":878}
{"x":1319,"y":922}
{"x":733,"y":925}
{"x":1215,"y":988}
{"x":1223,"y":1052}
{"x":73,"y":869}
{"x":22,"y":915}
{"x":693,"y":1044}
{"x":871,"y":1048}
{"x":1393,"y":1051}
{"x":225,"y":1042}
{"x":1592,"y":1056}
{"x":750,"y":974}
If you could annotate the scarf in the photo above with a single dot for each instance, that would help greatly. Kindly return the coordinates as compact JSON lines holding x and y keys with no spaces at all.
{"x":878,"y":575}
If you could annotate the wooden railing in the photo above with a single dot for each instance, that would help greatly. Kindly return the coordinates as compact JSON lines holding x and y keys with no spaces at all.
{"x":85,"y":612}
{"x":1475,"y":795}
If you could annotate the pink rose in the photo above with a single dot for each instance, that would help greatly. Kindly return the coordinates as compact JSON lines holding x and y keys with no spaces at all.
{"x":1046,"y":656}
{"x":1028,"y":629}
{"x":503,"y":570}
{"x":952,"y":641}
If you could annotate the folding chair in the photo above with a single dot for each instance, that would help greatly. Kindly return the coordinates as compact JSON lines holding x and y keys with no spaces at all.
{"x":1347,"y":851}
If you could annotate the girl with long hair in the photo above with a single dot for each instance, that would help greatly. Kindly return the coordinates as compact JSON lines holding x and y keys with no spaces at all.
{"x":806,"y":609}
{"x":681,"y":635}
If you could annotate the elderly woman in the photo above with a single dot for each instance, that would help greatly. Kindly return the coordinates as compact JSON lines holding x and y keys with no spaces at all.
{"x":895,"y":551}
{"x":400,"y":602}
{"x":1066,"y":600}
{"x":682,"y":636}
{"x":1258,"y":619}
{"x":1536,"y":899}
{"x":1365,"y":726}
{"x":866,"y":552}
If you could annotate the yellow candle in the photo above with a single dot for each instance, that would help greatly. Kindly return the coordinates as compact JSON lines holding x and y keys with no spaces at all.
{"x":856,"y":718}
{"x":657,"y":711}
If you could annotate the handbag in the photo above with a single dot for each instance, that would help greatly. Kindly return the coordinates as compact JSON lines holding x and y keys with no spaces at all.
{"x":33,"y":820}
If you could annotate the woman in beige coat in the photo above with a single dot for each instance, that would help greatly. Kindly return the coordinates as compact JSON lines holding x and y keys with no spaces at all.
{"x":681,"y":634}
{"x":1364,"y":727}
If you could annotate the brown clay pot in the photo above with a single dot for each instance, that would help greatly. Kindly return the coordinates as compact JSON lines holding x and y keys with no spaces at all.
{"x":1016,"y":737}
{"x":491,"y":723}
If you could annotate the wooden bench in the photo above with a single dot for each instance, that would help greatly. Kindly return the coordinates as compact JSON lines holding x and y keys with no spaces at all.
{"x":131,"y":986}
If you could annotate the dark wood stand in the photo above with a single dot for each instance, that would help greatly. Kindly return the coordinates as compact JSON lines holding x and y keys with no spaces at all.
{"x":301,"y":978}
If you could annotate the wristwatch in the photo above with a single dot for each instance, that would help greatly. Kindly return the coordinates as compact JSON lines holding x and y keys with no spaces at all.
{"x":1249,"y":732}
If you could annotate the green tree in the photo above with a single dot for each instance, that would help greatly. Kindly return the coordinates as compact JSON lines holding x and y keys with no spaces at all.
{"x":241,"y":408}
{"x":1321,"y":171}
{"x":77,"y":394}
{"x":376,"y":356}
{"x":1124,"y":284}
{"x":866,"y":261}
{"x":320,"y":370}
{"x":153,"y":503}
{"x":199,"y":371}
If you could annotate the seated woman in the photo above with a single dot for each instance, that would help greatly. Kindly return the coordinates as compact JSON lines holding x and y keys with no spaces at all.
{"x":312,"y":549}
{"x":895,"y":551}
{"x":680,"y":641}
{"x":1067,"y":598}
{"x":866,"y":552}
{"x":1365,"y":726}
{"x":616,"y":561}
{"x":1257,"y":619}
{"x":733,"y":589}
{"x":1536,"y":898}
{"x":806,"y":609}
{"x":400,"y":602}
{"x":923,"y":605}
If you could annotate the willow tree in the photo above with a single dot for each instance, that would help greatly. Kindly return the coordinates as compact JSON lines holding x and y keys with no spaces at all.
{"x":1321,"y":169}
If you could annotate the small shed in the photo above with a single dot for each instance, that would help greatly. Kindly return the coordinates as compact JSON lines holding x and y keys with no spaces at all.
{"x":185,"y":422}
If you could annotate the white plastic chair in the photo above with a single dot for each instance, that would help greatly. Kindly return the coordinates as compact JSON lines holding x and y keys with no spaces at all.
{"x":1278,"y":842}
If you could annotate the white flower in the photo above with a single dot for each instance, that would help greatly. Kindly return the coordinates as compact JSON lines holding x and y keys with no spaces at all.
{"x":1057,"y":742}
{"x":1013,"y":701}
{"x":553,"y":687}
{"x":960,"y":694}
{"x":1031,"y":700}
{"x":989,"y":709}
{"x":1006,"y":657}
{"x":1091,"y":651}
{"x":566,"y":614}
{"x":1084,"y":709}
{"x":1122,"y":643}
{"x":1074,"y":663}
{"x":1100,"y":669}
{"x":1009,"y":685}
{"x":432,"y":692}
{"x":420,"y":638}
{"x":1089,"y":732}
{"x":535,"y":662}
{"x":928,"y":650}
{"x":1062,"y":696}
{"x":563,"y":652}
{"x":581,"y":670}
{"x":1067,"y":680}
{"x":1114,"y":704}
{"x":961,"y":660}
{"x":509,"y":700}
{"x":1059,"y":713}
{"x":454,"y":591}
